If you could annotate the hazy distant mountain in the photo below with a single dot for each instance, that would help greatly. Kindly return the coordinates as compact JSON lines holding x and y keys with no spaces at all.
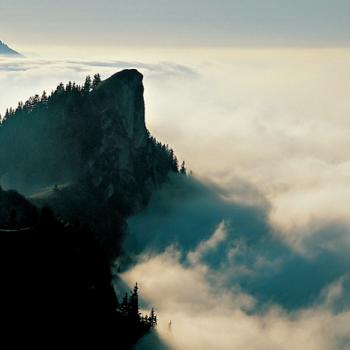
{"x":5,"y":50}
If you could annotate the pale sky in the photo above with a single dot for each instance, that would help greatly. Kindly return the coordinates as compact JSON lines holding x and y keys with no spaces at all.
{"x":248,"y":23}
{"x":269,"y":127}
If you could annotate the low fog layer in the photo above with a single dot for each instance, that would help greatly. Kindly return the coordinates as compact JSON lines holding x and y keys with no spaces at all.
{"x":222,"y":279}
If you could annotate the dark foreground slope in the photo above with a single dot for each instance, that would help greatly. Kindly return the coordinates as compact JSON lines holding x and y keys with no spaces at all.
{"x":85,"y":151}
{"x":56,"y":284}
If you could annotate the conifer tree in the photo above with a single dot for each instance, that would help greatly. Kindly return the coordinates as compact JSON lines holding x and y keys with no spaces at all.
{"x":124,"y":307}
{"x":134,"y":304}
{"x":153,"y":318}
{"x":44,"y":97}
{"x":60,"y":87}
{"x":96,"y":81}
{"x":183,"y":168}
{"x":87,"y":84}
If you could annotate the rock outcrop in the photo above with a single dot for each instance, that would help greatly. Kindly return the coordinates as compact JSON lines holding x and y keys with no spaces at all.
{"x":86,"y":152}
{"x":119,"y":106}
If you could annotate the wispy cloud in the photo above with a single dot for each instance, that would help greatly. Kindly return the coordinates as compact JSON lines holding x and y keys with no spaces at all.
{"x":225,"y":286}
{"x":22,"y":78}
{"x":208,"y":245}
{"x":206,"y":315}
{"x":162,"y":67}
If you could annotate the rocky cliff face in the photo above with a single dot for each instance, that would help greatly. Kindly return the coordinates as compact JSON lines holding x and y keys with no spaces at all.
{"x":120,"y":101}
{"x":119,"y":106}
{"x":85,"y":152}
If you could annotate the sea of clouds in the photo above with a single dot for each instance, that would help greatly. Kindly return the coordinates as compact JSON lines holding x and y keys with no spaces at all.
{"x":225,"y":279}
{"x":252,"y":250}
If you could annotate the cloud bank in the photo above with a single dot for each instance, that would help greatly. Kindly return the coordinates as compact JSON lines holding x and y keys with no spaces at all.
{"x":226,"y":280}
{"x":207,"y":316}
{"x":251,"y":252}
{"x":21,"y":78}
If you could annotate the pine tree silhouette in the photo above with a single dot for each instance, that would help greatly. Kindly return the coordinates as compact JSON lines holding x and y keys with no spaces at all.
{"x":183,"y":168}
{"x":96,"y":81}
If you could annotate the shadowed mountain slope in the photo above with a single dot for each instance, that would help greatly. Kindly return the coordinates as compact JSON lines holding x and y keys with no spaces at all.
{"x":85,"y":151}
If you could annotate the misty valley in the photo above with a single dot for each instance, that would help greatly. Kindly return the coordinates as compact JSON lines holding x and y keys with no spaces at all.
{"x":108,"y":240}
{"x":175,"y":175}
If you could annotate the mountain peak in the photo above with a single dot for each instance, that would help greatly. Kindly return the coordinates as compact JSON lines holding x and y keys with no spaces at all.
{"x":96,"y":136}
{"x":128,"y":74}
{"x":5,"y":50}
{"x":129,"y":77}
{"x":121,"y":98}
{"x":90,"y":153}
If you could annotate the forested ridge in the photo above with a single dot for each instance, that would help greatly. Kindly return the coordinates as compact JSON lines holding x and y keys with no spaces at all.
{"x":62,"y":130}
{"x":56,"y":281}
{"x":85,"y":161}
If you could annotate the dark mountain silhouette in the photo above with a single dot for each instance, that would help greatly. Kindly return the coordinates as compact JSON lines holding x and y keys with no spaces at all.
{"x":56,"y":284}
{"x":5,"y":50}
{"x":85,"y":153}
